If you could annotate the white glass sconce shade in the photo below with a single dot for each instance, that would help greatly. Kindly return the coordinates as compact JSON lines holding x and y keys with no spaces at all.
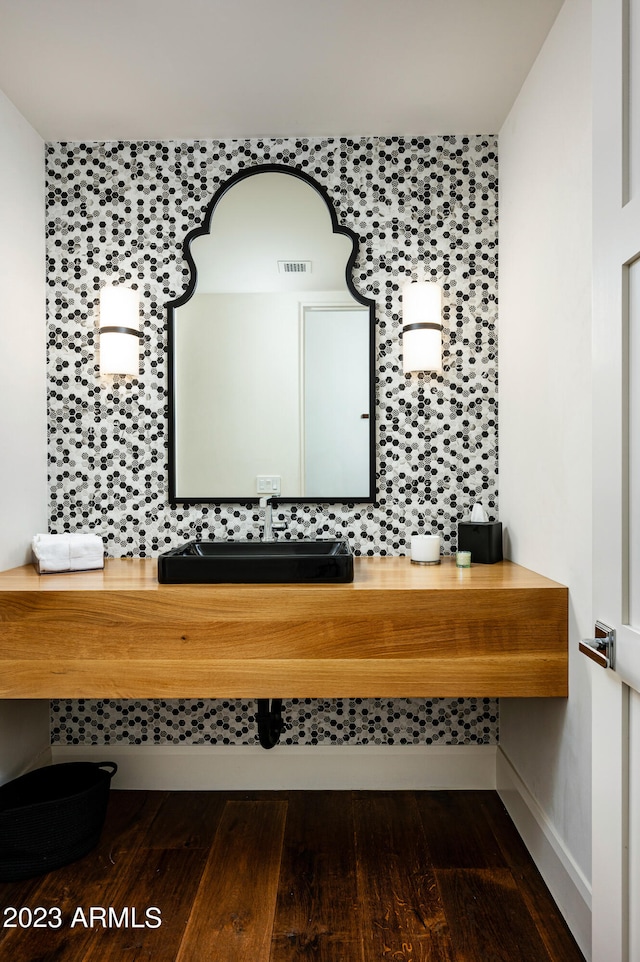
{"x":421,"y":327}
{"x":119,"y":330}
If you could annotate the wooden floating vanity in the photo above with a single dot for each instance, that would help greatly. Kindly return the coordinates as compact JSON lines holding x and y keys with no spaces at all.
{"x":399,"y":630}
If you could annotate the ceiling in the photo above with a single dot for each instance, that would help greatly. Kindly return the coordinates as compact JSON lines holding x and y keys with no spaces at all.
{"x":169,"y":69}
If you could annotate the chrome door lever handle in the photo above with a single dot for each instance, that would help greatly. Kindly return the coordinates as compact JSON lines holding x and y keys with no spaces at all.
{"x":602,"y":648}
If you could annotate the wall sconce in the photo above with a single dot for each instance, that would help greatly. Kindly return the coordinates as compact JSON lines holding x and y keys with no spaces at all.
{"x":119,"y":330}
{"x":421,"y":327}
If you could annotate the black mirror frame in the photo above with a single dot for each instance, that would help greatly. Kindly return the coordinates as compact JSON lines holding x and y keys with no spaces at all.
{"x":171,"y":306}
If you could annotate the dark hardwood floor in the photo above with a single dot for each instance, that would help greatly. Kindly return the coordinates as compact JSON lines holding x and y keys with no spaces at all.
{"x":282,"y":876}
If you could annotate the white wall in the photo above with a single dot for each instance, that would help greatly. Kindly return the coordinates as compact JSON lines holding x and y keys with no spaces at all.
{"x":545,"y":402}
{"x":23,"y":424}
{"x":24,"y":726}
{"x":258,"y":418}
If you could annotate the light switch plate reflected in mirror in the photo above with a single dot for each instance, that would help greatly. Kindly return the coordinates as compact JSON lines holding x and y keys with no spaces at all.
{"x":268,"y":484}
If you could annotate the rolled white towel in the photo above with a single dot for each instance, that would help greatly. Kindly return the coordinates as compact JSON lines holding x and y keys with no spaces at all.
{"x":85,"y":551}
{"x":67,"y":552}
{"x":50,"y":554}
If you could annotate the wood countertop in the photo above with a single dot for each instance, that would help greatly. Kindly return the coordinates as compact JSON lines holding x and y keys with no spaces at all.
{"x":398,"y":630}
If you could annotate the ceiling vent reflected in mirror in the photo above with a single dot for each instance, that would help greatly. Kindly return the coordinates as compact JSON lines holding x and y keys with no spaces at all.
{"x":294,"y":267}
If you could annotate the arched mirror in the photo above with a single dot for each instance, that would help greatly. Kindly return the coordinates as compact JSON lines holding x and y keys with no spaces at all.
{"x":271,"y":351}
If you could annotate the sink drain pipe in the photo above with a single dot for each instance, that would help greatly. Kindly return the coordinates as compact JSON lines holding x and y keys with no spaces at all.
{"x":270,"y":723}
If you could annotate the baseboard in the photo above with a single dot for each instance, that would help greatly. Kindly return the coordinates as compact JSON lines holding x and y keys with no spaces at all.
{"x":569,"y":887}
{"x":236,"y":768}
{"x":42,"y":759}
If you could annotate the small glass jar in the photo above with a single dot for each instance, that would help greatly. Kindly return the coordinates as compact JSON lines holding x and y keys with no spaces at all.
{"x":463,"y":559}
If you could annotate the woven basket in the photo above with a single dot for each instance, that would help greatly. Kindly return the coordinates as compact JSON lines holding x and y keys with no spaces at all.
{"x":52,"y":816}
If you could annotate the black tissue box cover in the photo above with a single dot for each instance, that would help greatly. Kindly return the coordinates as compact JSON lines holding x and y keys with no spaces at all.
{"x":483,"y":539}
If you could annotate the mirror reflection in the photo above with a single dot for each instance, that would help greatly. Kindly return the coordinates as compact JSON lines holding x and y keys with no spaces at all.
{"x":271,"y":351}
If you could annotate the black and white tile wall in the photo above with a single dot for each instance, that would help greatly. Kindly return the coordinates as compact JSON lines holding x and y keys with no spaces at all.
{"x":120,"y":211}
{"x":353,"y":721}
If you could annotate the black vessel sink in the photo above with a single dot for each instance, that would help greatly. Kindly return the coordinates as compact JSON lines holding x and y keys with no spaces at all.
{"x":257,"y":562}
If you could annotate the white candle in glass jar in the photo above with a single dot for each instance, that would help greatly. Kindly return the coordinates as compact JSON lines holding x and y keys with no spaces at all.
{"x":425,"y":549}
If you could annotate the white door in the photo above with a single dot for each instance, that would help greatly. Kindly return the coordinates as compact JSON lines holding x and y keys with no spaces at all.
{"x":616,"y":519}
{"x":336,"y":402}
